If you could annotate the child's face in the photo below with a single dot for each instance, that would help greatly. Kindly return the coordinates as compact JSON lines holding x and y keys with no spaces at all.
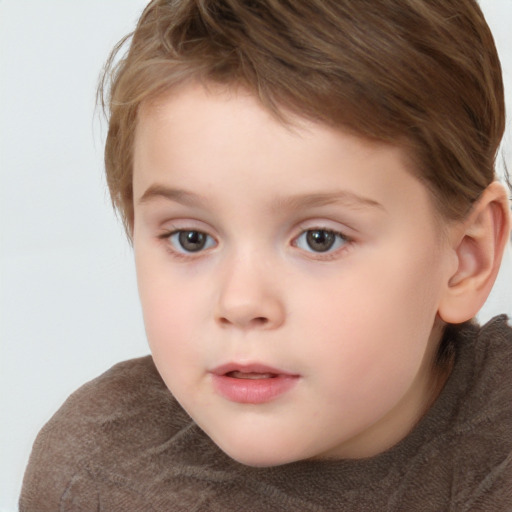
{"x":289,"y":278}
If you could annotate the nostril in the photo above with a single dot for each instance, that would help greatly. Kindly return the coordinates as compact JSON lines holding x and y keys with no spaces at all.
{"x":254,"y":322}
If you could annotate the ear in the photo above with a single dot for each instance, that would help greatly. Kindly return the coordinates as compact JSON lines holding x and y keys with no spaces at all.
{"x":479,"y":244}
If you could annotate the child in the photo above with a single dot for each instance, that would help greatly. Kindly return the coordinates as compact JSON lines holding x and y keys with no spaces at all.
{"x":309,"y":187}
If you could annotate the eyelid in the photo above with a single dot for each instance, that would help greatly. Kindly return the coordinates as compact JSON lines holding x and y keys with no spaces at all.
{"x":176,"y":243}
{"x":329,"y":254}
{"x":174,"y":229}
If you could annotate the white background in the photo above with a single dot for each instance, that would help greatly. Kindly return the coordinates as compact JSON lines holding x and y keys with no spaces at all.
{"x":68,"y":300}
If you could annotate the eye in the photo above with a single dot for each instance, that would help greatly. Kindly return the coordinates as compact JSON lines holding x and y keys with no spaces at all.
{"x":187,"y":241}
{"x":320,"y":240}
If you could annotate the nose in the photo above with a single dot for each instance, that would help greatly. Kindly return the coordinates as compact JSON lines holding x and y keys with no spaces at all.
{"x":249,"y":297}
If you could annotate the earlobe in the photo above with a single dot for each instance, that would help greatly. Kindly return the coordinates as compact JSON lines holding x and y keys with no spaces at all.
{"x":479,"y":249}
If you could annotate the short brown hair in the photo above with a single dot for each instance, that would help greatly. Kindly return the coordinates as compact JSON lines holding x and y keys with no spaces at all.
{"x":420,"y":73}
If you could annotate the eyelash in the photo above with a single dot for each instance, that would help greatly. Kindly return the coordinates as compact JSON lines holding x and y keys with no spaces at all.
{"x":343,"y":241}
{"x":326,"y":255}
{"x":167,"y":236}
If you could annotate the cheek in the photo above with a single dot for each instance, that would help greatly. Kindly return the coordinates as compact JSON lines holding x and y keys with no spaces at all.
{"x":374,"y":326}
{"x":170,"y":308}
{"x":169,"y":321}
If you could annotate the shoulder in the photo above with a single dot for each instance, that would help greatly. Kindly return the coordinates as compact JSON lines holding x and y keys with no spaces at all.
{"x":495,"y":334}
{"x":460,"y":455}
{"x":128,"y":384}
{"x":489,"y":367}
{"x":483,"y":427}
{"x":125,"y":409}
{"x":127,"y":393}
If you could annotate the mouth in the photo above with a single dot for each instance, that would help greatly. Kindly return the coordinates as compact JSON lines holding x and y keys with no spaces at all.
{"x":249,"y":371}
{"x":251,"y":375}
{"x":252,"y":384}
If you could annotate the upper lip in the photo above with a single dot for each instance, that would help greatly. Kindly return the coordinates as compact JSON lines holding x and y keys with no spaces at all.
{"x":249,"y":368}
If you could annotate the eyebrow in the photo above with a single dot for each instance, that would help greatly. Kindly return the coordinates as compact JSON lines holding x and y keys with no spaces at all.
{"x":172,"y":194}
{"x":295,"y":202}
{"x":342,"y":197}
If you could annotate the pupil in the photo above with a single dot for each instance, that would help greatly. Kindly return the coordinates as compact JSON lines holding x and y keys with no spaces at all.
{"x":192,"y":240}
{"x":320,"y":240}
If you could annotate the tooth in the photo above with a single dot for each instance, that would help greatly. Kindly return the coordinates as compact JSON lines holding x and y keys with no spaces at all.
{"x":251,"y":376}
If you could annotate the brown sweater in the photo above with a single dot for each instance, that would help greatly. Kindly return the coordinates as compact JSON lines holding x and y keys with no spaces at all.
{"x":122,"y":443}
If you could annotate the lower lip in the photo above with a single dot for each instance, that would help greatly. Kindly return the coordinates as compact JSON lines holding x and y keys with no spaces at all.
{"x":253,"y":391}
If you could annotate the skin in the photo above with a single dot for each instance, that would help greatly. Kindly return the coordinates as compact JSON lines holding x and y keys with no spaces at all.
{"x":357,"y":324}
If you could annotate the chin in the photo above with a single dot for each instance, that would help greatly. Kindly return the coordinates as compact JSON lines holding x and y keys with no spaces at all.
{"x":257,"y":461}
{"x":259,"y":443}
{"x":259,"y":456}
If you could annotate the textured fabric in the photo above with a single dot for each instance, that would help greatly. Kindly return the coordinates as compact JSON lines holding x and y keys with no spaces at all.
{"x":122,"y":443}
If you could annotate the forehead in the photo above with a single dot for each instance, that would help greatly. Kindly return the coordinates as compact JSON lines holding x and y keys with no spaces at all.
{"x":211,"y":115}
{"x":205,"y":139}
{"x":213,"y":107}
